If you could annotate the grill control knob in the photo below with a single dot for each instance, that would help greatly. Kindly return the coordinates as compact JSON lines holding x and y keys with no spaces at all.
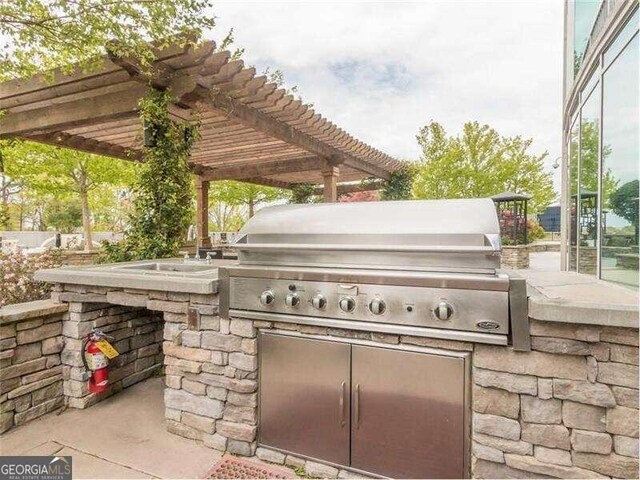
{"x":292,"y":300}
{"x":443,"y":311}
{"x":267,"y":298}
{"x":347,"y":304}
{"x":377,"y":306}
{"x":318,"y":301}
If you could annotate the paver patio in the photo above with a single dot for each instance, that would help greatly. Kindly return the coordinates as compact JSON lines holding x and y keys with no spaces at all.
{"x":121,"y":437}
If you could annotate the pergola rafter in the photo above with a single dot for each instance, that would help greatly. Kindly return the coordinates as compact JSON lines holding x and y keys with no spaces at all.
{"x":250,"y":129}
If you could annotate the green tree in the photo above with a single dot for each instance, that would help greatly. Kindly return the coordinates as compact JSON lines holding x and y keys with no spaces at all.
{"x":624,"y":202}
{"x":249,"y":195}
{"x":588,"y":140}
{"x":479,"y":163}
{"x":65,"y":216}
{"x":64,"y":172}
{"x":225,"y":217}
{"x":110,"y":206}
{"x":37,"y":35}
{"x":304,"y":193}
{"x":10,"y":184}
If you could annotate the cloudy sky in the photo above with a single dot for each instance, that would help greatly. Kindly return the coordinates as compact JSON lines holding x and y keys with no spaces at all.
{"x":381,"y":70}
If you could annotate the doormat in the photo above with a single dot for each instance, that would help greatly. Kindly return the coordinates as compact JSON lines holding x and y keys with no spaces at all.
{"x":236,"y":467}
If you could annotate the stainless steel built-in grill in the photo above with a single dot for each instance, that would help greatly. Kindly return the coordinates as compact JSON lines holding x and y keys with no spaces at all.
{"x":426,"y":268}
{"x":418,"y":269}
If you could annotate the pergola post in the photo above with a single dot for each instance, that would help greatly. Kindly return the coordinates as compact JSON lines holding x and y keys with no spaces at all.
{"x":330,"y":176}
{"x":202,"y":212}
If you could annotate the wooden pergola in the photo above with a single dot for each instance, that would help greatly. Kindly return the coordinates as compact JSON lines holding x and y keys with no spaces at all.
{"x":251,"y":130}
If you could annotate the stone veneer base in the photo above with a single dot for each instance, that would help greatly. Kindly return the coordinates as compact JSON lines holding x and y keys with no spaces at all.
{"x":567,"y":409}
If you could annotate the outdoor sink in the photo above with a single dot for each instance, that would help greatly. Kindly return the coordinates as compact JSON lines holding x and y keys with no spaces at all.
{"x":169,"y":274}
{"x":168,"y":267}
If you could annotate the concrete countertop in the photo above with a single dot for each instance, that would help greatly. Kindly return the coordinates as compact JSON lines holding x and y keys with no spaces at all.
{"x":571,"y":297}
{"x":554,"y":296}
{"x":135,"y":275}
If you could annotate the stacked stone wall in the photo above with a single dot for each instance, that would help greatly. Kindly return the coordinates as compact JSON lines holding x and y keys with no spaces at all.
{"x":568,"y":409}
{"x":515,"y":257}
{"x":30,"y":369}
{"x":588,"y":259}
{"x":211,"y":375}
{"x":136,"y":334}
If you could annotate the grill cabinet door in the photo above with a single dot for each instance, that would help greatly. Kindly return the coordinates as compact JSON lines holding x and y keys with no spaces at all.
{"x":304,"y":396}
{"x":407,"y":413}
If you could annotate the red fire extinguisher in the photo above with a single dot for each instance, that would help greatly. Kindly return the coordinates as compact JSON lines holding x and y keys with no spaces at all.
{"x":96,"y":361}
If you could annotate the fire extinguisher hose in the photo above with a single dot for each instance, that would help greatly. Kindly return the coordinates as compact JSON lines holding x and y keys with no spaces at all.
{"x":84,"y":353}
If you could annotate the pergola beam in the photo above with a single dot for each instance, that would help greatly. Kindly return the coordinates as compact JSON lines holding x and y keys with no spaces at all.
{"x":250,"y":130}
{"x":269,"y":182}
{"x":88,"y":145}
{"x":260,"y":121}
{"x":56,"y":117}
{"x":346,"y":188}
{"x":264,"y":169}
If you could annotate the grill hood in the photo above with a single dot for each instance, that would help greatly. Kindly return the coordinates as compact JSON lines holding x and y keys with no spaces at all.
{"x":439,"y":235}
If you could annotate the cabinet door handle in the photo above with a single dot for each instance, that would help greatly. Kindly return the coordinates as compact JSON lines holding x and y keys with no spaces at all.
{"x":356,"y":407}
{"x":342,"y":404}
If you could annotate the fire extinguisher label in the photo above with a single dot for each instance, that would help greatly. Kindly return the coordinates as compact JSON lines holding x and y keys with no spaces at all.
{"x":97,"y":361}
{"x":106,"y":348}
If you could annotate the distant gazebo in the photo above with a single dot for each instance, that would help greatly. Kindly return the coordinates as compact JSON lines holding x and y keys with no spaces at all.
{"x":512,"y":215}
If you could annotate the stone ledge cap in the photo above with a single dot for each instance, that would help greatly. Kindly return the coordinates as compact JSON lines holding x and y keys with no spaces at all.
{"x":28,"y":310}
{"x":571,"y":297}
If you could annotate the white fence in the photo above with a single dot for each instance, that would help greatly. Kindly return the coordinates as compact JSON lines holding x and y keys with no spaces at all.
{"x":22,"y":239}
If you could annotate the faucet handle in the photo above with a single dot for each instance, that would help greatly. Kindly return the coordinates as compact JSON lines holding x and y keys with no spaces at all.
{"x":186,"y":255}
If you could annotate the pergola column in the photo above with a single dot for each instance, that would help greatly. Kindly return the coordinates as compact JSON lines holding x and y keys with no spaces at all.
{"x":330,"y":176}
{"x":202,"y":212}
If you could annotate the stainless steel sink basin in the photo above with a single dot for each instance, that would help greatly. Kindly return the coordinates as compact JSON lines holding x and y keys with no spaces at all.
{"x":168,"y":267}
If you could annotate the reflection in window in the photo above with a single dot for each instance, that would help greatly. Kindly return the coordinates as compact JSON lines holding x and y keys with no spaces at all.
{"x":573,"y":183}
{"x":630,"y":28}
{"x":584,"y":12}
{"x":587,"y":203}
{"x":620,"y":153}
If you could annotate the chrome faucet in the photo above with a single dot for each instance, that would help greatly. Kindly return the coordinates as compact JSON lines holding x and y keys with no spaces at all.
{"x":196,"y":258}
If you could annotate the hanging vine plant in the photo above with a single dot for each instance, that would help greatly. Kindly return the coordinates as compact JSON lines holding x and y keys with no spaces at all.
{"x":399,"y":186}
{"x":303,"y":193}
{"x":162,"y":198}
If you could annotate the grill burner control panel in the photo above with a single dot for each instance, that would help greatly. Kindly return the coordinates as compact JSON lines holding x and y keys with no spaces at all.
{"x":445,"y":308}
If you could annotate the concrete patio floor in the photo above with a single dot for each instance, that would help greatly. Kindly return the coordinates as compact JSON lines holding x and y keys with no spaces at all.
{"x":121,"y":437}
{"x":544,"y":261}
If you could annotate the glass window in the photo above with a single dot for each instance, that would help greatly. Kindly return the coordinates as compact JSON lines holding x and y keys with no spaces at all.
{"x":630,"y":28}
{"x":574,"y":152}
{"x":568,"y":47}
{"x":590,"y":85}
{"x":584,"y":15}
{"x":587,"y":204}
{"x":620,"y":168}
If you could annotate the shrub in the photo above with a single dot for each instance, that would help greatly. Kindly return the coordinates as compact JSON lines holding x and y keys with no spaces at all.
{"x":534,"y":231}
{"x":16,"y":276}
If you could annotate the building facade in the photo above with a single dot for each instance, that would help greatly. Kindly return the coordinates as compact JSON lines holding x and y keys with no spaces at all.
{"x":601,"y":136}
